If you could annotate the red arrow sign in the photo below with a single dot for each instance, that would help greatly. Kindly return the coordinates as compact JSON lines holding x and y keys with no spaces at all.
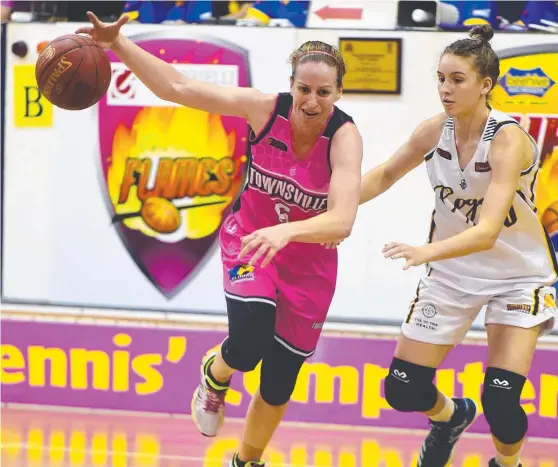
{"x":339,"y":13}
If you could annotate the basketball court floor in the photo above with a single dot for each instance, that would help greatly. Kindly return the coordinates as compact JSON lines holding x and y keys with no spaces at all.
{"x":35,"y":437}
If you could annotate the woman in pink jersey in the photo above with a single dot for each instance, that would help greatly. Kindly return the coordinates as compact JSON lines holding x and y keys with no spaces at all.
{"x":302,"y":190}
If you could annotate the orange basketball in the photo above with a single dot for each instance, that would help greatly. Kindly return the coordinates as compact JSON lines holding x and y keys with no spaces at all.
{"x":160,"y":215}
{"x":73,"y":72}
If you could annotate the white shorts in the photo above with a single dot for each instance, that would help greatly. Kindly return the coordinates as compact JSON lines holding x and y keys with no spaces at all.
{"x":440,"y":314}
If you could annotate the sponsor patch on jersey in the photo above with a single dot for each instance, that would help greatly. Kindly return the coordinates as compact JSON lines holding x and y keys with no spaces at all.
{"x":482,"y":167}
{"x":443,"y":153}
{"x":243,"y":272}
{"x":277,"y":144}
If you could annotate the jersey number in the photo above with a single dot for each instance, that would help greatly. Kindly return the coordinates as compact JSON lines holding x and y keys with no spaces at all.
{"x":282,"y":212}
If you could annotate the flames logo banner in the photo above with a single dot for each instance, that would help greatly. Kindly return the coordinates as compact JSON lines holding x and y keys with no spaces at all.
{"x":171,"y":173}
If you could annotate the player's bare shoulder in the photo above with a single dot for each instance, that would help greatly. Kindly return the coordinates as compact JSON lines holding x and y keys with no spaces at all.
{"x":427,"y":134}
{"x":261,"y":106}
{"x":512,"y":139}
{"x":265,"y":101}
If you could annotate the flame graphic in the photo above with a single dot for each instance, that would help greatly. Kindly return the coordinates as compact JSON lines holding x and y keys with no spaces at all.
{"x":171,"y":133}
{"x":547,"y":183}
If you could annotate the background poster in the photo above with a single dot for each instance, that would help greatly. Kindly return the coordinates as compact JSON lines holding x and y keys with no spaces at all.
{"x":527,"y":90}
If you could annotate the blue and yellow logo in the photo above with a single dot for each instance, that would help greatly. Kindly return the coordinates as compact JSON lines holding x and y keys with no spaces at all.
{"x":534,"y":82}
{"x":242,"y":272}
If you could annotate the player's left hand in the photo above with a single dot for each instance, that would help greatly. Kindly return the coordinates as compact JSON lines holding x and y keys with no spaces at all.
{"x":266,"y":243}
{"x":414,"y":255}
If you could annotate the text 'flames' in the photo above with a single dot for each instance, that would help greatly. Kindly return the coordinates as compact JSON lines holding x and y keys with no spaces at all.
{"x":173,"y":174}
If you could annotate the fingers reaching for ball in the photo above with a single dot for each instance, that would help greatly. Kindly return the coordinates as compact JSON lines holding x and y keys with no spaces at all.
{"x":105,"y":34}
{"x":84,"y":30}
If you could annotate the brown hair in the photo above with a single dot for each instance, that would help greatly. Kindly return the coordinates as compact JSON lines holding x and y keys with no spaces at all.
{"x":487,"y":63}
{"x":318,"y":51}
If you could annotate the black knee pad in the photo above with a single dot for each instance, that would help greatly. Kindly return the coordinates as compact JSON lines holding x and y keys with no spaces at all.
{"x":501,"y":404}
{"x":409,"y":388}
{"x":280,"y":369}
{"x":251,"y":333}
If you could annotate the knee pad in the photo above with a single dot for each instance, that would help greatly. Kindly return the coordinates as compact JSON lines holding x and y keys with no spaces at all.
{"x":501,"y":404}
{"x":409,"y":388}
{"x":251,"y":333}
{"x":280,"y":369}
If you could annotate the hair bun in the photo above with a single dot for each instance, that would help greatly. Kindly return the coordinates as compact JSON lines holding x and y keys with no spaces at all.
{"x":484,"y":32}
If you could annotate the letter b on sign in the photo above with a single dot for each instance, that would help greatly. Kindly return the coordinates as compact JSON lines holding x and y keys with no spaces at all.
{"x":31,"y":109}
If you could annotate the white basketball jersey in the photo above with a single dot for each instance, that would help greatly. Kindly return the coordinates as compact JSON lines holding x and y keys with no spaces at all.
{"x":523,"y":253}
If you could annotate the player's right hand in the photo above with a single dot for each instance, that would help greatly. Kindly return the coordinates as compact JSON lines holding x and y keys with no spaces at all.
{"x":104,"y":34}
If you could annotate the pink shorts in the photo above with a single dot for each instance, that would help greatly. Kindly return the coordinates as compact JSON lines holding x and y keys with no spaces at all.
{"x":301,"y":292}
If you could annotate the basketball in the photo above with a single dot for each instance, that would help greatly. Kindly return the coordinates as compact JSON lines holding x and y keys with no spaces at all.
{"x":73,"y":72}
{"x":550,"y":218}
{"x":160,"y":215}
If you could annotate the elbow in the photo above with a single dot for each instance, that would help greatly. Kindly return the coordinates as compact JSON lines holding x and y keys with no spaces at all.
{"x":345,"y":228}
{"x":486,"y":235}
{"x":170,"y":91}
{"x":488,"y":240}
{"x":345,"y":232}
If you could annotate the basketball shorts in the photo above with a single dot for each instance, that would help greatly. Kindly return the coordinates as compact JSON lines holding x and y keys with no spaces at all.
{"x":441,"y":314}
{"x":302,"y":297}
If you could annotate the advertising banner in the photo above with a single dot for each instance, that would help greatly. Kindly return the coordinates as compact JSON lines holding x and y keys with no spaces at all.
{"x":157,"y":370}
{"x":528,"y":90}
{"x":170,"y":173}
{"x":128,"y":196}
{"x":123,"y":203}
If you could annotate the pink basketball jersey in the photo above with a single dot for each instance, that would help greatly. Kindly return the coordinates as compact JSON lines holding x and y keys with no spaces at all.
{"x":279,"y":188}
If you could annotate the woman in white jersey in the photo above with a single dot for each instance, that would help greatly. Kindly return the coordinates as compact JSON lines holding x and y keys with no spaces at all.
{"x":486,"y":247}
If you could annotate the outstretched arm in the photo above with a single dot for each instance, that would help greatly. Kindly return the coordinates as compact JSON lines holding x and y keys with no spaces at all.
{"x":405,"y":159}
{"x":169,"y":84}
{"x":510,"y":153}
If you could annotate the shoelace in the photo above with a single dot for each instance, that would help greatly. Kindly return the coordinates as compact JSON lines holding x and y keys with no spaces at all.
{"x":434,"y":437}
{"x":213,"y":401}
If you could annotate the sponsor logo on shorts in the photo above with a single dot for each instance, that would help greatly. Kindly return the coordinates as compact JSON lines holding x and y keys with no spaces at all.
{"x":429,"y":310}
{"x":519,"y":307}
{"x":241,"y":273}
{"x":317,"y":325}
{"x":549,"y":301}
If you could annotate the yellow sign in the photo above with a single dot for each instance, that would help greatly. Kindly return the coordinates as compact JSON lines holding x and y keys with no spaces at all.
{"x":528,"y":82}
{"x":528,"y":90}
{"x":373,"y":65}
{"x":31,"y":109}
